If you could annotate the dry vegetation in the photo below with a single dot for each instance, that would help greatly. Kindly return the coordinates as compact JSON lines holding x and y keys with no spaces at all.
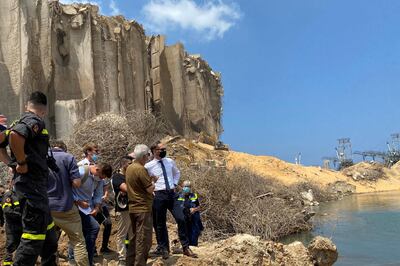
{"x":4,"y":175}
{"x":234,"y":201}
{"x":238,"y":201}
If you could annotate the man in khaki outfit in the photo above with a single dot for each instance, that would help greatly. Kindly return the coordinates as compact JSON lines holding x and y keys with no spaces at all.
{"x":124,"y":227}
{"x":63,"y":210}
{"x":140,"y":195}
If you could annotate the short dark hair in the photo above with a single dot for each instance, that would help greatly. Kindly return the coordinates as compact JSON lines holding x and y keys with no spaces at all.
{"x":58,"y":143}
{"x":154,"y":146}
{"x":106,"y":169}
{"x":38,"y":98}
{"x":125,"y":159}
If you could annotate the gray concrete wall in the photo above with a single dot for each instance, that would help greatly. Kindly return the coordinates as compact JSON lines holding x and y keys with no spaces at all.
{"x":88,"y":64}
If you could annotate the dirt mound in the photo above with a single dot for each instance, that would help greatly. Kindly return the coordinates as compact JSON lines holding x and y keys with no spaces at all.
{"x":196,"y":154}
{"x":365,"y":171}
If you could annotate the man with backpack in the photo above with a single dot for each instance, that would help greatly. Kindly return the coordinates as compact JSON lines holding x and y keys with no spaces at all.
{"x":63,"y":210}
{"x":124,"y":226}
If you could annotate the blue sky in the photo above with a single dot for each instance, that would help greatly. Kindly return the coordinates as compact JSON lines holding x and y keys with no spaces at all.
{"x":298,"y":74}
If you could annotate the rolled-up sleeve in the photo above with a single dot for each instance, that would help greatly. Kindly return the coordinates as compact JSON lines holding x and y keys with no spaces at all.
{"x":175,"y":173}
{"x":73,"y":169}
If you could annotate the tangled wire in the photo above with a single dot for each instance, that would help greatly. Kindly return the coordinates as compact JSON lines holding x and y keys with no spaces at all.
{"x":117,"y":135}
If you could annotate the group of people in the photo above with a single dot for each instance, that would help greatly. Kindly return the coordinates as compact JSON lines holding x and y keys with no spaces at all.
{"x":50,"y":191}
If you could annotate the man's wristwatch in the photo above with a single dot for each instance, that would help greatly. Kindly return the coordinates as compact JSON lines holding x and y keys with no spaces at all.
{"x":21,"y":163}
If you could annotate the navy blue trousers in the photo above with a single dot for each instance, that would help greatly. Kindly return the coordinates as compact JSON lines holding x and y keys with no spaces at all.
{"x":163,"y":201}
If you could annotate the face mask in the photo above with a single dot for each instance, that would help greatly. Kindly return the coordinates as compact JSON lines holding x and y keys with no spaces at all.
{"x":163,"y":154}
{"x":186,"y":190}
{"x":95,"y":157}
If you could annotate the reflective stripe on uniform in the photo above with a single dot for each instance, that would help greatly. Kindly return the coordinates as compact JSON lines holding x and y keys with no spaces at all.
{"x":7,"y":263}
{"x":45,"y":132}
{"x":8,"y":132}
{"x":194,"y":198}
{"x":126,"y":242}
{"x":9,"y":204}
{"x":50,"y":226}
{"x":33,"y":236}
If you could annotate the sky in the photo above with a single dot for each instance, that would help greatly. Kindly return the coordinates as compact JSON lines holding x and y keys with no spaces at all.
{"x":297,"y":74}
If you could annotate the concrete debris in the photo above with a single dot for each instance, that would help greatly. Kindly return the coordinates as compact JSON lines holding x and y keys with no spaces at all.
{"x":365,"y":171}
{"x":127,"y":26}
{"x":249,"y":250}
{"x":191,"y":70}
{"x":308,"y":198}
{"x":83,"y":9}
{"x":101,"y":64}
{"x":77,"y":21}
{"x":69,"y":10}
{"x":117,"y":30}
{"x":323,"y":251}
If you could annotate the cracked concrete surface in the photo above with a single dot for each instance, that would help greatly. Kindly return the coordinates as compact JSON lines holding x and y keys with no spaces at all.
{"x":88,"y":64}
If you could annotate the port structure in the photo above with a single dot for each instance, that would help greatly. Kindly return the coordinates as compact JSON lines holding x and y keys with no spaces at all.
{"x":328,"y":160}
{"x":393,"y":154}
{"x":371,"y":154}
{"x":344,"y":155}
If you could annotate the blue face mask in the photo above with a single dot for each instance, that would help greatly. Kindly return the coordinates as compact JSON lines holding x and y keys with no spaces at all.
{"x":95,"y":157}
{"x":186,"y":190}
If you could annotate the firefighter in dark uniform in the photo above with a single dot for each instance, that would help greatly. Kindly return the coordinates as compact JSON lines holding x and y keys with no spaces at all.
{"x":12,"y":214}
{"x":10,"y":208}
{"x":29,"y":144}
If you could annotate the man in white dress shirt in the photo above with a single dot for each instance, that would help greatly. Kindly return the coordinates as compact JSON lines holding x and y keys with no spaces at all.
{"x":166,"y":198}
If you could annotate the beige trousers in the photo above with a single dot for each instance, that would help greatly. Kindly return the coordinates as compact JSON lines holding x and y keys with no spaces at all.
{"x":124,"y":228}
{"x":70,"y":223}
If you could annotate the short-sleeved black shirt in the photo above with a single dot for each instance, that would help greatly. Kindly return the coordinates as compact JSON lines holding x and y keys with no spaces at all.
{"x":33,"y":129}
{"x":117,"y":180}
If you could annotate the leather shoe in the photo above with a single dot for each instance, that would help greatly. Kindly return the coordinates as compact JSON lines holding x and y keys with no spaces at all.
{"x":188,"y":252}
{"x":165,"y":254}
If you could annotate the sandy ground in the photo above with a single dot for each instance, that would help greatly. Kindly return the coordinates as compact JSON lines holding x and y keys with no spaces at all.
{"x":289,"y":173}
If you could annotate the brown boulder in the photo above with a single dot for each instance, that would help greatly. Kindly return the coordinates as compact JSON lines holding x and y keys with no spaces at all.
{"x":323,"y":251}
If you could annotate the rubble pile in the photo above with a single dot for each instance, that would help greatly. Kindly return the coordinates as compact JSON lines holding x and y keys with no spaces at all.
{"x":250,"y":250}
{"x":365,"y":171}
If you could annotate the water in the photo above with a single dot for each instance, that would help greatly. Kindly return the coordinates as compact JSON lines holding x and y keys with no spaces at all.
{"x":365,"y":228}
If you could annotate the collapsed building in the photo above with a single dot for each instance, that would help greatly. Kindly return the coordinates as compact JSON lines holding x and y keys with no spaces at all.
{"x":89,"y":64}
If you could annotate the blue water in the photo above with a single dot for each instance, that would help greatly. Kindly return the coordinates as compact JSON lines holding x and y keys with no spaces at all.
{"x":365,"y":228}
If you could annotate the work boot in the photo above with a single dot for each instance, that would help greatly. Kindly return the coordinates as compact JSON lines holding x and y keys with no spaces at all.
{"x":188,"y":252}
{"x":157,"y":252}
